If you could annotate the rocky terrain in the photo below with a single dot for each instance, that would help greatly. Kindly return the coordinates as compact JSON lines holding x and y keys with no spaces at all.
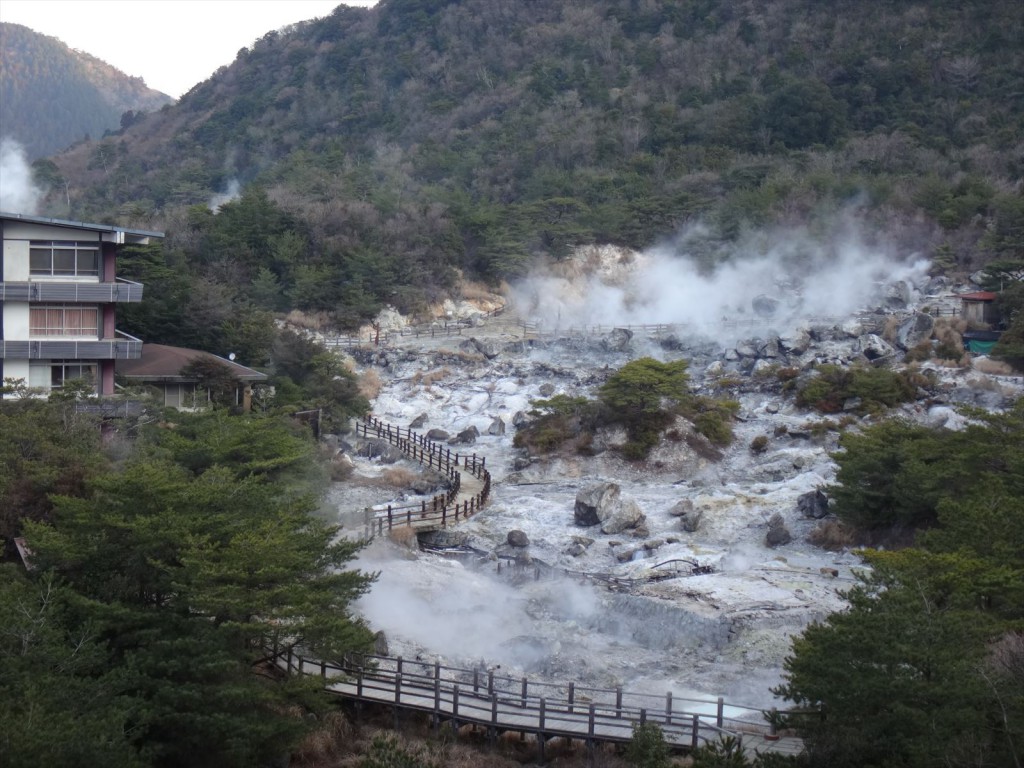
{"x":686,"y":573}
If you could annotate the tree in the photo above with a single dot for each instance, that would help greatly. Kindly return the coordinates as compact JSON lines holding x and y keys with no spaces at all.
{"x":642,"y":396}
{"x":897,"y":674}
{"x":190,"y":564}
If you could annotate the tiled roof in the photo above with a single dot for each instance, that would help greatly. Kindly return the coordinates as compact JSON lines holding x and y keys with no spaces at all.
{"x":979,"y":296}
{"x":160,"y":361}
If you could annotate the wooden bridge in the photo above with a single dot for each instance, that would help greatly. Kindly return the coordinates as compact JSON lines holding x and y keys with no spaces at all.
{"x":454,"y":697}
{"x":468,"y":490}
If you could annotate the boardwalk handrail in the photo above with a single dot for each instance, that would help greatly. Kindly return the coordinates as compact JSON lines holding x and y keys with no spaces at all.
{"x":480,"y":696}
{"x":441,"y":509}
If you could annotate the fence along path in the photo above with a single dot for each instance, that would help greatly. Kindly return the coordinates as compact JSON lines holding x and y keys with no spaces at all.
{"x":457,"y":696}
{"x":469,"y":482}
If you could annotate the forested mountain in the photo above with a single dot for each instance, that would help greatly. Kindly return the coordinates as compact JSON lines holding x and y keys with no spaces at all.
{"x":52,"y":96}
{"x":383,"y":148}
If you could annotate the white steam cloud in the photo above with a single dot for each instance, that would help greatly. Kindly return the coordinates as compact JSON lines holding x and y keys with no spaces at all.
{"x":18,"y":192}
{"x":772,"y":281}
{"x":233,"y":192}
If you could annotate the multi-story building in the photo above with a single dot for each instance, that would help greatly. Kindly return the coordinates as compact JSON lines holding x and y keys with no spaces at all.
{"x":59,"y":292}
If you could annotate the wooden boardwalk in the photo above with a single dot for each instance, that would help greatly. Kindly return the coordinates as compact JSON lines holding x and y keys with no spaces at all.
{"x":454,"y":697}
{"x":468,"y":491}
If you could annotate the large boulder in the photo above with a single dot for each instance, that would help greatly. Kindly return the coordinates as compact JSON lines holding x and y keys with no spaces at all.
{"x":418,"y":422}
{"x":627,"y":515}
{"x":381,"y":449}
{"x":874,"y":348}
{"x":778,"y":534}
{"x":517,"y":538}
{"x":497,"y":427}
{"x":618,"y":340}
{"x":813,"y":504}
{"x":689,"y":516}
{"x":795,"y":342}
{"x":465,"y":437}
{"x":915,"y":329}
{"x":596,"y":503}
{"x":437,"y":435}
{"x":488,"y":349}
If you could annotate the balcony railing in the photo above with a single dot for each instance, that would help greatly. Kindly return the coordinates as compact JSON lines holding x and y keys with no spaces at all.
{"x":120,"y":290}
{"x":124,"y":347}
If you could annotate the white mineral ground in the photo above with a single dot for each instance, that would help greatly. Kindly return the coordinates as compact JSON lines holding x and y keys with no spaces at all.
{"x":724,"y":633}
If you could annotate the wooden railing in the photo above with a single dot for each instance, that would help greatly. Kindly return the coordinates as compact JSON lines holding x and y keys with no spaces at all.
{"x":442,"y":509}
{"x":500,"y":703}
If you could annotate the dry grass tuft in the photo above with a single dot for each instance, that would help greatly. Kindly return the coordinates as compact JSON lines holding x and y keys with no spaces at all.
{"x":397,"y":477}
{"x":310,"y":321}
{"x":327,"y":743}
{"x":990,"y":366}
{"x":431,"y":377}
{"x":370,"y":384}
{"x":892,"y":325}
{"x":832,"y":535}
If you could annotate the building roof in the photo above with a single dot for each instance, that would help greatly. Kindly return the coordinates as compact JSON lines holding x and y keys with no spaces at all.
{"x":979,"y":296}
{"x":78,"y":225}
{"x":163,"y":363}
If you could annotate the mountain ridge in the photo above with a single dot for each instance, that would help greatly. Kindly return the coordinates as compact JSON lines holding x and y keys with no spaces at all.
{"x":52,"y":95}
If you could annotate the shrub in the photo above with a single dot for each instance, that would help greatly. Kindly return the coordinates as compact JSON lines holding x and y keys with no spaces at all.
{"x":833,"y":535}
{"x":759,"y":444}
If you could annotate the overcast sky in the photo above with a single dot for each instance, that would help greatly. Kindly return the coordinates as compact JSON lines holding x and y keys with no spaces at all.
{"x":171,"y":44}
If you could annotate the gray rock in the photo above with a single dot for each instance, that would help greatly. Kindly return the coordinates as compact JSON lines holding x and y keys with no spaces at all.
{"x":418,"y":422}
{"x":379,"y":448}
{"x":497,"y":427}
{"x":747,"y":349}
{"x":596,"y":503}
{"x":796,"y":342}
{"x":761,"y":368}
{"x":521,"y":462}
{"x":628,"y":515}
{"x":813,"y":504}
{"x":520,"y":418}
{"x":731,"y":355}
{"x":777,"y":534}
{"x":546,"y":389}
{"x":575,"y":549}
{"x":380,"y":644}
{"x":874,"y":348}
{"x":765,"y":306}
{"x":465,"y":437}
{"x":437,"y":435}
{"x":517,"y":538}
{"x":627,"y":554}
{"x":715,"y":369}
{"x":769,"y":349}
{"x":618,"y":340}
{"x":681,"y":508}
{"x":917,"y":328}
{"x":896,"y":295}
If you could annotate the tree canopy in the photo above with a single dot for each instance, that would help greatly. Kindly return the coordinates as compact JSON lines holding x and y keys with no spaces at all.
{"x":159,"y":591}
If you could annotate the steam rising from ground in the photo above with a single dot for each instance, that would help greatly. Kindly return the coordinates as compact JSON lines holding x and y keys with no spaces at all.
{"x":18,"y":192}
{"x":812,"y":277}
{"x":233,"y":192}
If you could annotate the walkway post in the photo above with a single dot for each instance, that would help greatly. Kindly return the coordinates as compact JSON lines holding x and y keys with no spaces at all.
{"x":540,"y":730}
{"x":455,"y":710}
{"x":696,"y":731}
{"x":668,"y":708}
{"x":719,"y":717}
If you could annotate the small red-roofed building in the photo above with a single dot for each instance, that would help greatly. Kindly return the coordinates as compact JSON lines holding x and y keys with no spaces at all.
{"x":979,"y":307}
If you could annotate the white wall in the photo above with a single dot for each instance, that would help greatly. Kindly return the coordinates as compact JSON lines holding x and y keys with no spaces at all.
{"x":16,"y":320}
{"x":15,"y":261}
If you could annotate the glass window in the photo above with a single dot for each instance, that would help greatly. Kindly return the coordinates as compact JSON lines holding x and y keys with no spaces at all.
{"x":64,"y":320}
{"x":64,"y":258}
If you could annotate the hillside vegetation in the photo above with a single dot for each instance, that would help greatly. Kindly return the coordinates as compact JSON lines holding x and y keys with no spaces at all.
{"x":398,"y":144}
{"x":52,"y":96}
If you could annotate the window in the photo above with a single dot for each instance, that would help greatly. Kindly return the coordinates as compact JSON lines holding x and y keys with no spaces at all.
{"x":64,"y":320}
{"x":64,"y":258}
{"x":53,"y":373}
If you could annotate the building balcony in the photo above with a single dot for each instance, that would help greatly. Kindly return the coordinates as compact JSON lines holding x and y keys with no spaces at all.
{"x":123,"y":347}
{"x":120,"y":291}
